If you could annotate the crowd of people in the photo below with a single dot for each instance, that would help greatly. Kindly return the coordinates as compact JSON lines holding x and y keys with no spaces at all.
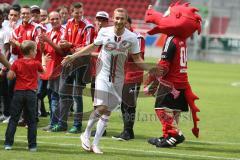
{"x":56,"y":54}
{"x":54,"y":36}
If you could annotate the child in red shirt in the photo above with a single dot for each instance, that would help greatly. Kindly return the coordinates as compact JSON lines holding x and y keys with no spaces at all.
{"x":25,"y":70}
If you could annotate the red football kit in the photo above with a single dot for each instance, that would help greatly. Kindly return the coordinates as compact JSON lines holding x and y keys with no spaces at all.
{"x":174,"y":59}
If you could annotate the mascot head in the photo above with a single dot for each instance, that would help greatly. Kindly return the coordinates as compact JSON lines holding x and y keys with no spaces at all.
{"x":179,"y":20}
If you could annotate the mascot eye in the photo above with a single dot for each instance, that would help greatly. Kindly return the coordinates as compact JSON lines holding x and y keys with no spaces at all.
{"x":167,"y":13}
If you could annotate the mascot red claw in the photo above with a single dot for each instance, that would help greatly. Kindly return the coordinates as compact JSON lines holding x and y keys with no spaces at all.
{"x":173,"y":92}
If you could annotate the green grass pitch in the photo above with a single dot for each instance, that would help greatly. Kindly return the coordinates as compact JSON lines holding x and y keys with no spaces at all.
{"x":217,"y":85}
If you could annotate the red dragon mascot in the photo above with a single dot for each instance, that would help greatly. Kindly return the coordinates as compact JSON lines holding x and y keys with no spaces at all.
{"x":172,"y":90}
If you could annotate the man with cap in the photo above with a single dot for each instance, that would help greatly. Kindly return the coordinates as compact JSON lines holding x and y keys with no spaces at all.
{"x":35,"y":12}
{"x":101,"y":20}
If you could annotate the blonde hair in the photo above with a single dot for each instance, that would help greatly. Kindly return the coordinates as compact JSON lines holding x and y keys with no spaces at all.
{"x":27,"y":46}
{"x":121,"y":10}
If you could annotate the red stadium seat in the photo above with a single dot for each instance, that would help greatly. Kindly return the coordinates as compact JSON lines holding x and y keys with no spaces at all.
{"x":7,"y":1}
{"x":219,"y":25}
{"x":136,"y":8}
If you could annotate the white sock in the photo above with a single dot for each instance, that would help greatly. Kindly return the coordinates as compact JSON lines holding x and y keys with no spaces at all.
{"x":92,"y":120}
{"x":101,"y":126}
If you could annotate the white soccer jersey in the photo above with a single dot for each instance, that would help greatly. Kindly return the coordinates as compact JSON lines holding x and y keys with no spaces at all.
{"x":114,"y":52}
{"x":4,"y":38}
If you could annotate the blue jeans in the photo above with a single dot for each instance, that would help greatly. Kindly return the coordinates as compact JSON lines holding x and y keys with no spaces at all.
{"x":71,"y":87}
{"x":24,"y":99}
{"x":42,"y":92}
{"x":65,"y":103}
{"x":54,"y":108}
{"x":78,"y":112}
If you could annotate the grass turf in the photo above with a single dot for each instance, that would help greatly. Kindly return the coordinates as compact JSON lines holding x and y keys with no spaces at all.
{"x":219,"y":127}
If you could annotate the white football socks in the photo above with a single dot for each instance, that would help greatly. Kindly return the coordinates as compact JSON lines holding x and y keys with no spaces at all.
{"x":101,"y":126}
{"x":92,"y":120}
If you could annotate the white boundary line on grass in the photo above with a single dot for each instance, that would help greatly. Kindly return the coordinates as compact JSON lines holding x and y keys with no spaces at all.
{"x":109,"y":138}
{"x":142,"y":151}
{"x":235,"y":84}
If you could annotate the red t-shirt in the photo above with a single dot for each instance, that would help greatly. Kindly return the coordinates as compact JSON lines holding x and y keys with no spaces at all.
{"x":174,"y":57}
{"x":53,"y":66}
{"x":26,"y":71}
{"x":134,"y":74}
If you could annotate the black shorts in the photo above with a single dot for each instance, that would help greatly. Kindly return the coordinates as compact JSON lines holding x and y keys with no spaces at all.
{"x":168,"y":101}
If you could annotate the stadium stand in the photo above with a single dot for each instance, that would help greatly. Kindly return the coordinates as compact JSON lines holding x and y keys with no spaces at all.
{"x":7,"y":1}
{"x":136,"y":8}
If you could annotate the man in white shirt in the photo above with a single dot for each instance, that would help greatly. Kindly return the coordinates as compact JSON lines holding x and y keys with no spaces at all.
{"x":4,"y":48}
{"x":117,"y":42}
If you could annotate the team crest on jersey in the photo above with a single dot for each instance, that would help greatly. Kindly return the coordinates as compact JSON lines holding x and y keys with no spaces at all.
{"x":69,"y":31}
{"x":28,"y":33}
{"x":125,"y":45}
{"x":54,"y":40}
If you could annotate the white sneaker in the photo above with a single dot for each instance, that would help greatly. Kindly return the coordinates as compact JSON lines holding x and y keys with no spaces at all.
{"x":2,"y":118}
{"x":96,"y":150}
{"x":34,"y":149}
{"x":8,"y":147}
{"x":6,"y":120}
{"x":86,"y":145}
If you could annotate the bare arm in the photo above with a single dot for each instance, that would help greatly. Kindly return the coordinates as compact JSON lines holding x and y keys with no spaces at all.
{"x":57,"y":48}
{"x":4,"y":61}
{"x":83,"y":52}
{"x":11,"y":75}
{"x":7,"y":50}
{"x":153,"y":69}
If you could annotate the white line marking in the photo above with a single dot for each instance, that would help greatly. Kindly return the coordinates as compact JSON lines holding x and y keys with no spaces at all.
{"x":139,"y":150}
{"x":235,"y":84}
{"x":109,"y":138}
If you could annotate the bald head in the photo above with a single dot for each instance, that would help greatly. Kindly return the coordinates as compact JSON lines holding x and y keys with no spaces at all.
{"x":55,"y":19}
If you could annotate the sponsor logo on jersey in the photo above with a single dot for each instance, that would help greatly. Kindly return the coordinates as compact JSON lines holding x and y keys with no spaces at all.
{"x":110,"y":46}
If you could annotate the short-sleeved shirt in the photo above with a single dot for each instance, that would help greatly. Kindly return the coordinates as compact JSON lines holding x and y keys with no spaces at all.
{"x":133,"y":73}
{"x":26,"y":71}
{"x":4,"y":39}
{"x":114,"y":52}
